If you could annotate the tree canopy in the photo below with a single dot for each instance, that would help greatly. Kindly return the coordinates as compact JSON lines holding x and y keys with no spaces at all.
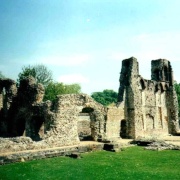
{"x":39,"y":72}
{"x":54,"y":89}
{"x":106,"y":97}
{"x":44,"y":76}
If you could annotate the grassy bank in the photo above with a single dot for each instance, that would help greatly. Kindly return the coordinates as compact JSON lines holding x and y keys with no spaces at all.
{"x":132,"y":163}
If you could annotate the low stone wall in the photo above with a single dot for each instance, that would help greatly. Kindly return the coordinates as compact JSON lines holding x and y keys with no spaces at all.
{"x":22,"y":149}
{"x":47,"y":153}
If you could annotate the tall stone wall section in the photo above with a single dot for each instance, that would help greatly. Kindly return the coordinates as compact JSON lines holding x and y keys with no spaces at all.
{"x":65,"y":122}
{"x":150,"y":106}
{"x":23,"y":113}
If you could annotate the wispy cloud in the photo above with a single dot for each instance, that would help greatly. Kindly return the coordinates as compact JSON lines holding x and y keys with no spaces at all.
{"x":73,"y":78}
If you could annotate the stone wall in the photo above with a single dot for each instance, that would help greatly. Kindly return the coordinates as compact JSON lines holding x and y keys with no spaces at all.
{"x":23,"y":113}
{"x":151,"y":107}
{"x":145,"y":108}
{"x":67,"y":109}
{"x":115,"y":116}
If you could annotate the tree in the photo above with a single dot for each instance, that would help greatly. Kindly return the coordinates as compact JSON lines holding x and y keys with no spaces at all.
{"x":106,"y":97}
{"x":39,"y":72}
{"x":72,"y":88}
{"x":54,"y":89}
{"x":43,"y":75}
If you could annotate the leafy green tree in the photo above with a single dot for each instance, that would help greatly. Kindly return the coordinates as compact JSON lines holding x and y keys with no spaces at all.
{"x":44,"y":76}
{"x":54,"y":89}
{"x":72,"y":88}
{"x":106,"y":97}
{"x":39,"y":72}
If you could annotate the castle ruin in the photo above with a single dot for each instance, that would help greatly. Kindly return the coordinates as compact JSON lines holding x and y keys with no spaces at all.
{"x":150,"y":106}
{"x":145,"y":108}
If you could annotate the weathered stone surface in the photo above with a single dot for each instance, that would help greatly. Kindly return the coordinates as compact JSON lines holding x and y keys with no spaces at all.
{"x":115,"y":117}
{"x":161,"y":145}
{"x":150,"y":106}
{"x":22,"y":156}
{"x":145,"y":108}
{"x":65,"y":119}
{"x":51,"y":123}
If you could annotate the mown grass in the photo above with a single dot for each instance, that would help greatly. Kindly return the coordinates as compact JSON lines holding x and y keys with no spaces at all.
{"x":133,"y":163}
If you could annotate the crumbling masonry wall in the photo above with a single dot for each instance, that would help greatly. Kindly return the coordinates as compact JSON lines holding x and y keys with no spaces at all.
{"x":65,"y":122}
{"x":23,"y":113}
{"x":150,"y":106}
{"x":145,"y":108}
{"x":115,"y":117}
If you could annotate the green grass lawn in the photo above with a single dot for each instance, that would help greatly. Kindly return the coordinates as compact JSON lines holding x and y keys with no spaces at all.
{"x":132,"y":163}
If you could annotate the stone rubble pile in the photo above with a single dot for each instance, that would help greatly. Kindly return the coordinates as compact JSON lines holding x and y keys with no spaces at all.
{"x":162,"y":145}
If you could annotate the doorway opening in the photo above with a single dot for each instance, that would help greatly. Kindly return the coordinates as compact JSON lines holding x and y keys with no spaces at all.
{"x":84,"y":124}
{"x":123,"y":129}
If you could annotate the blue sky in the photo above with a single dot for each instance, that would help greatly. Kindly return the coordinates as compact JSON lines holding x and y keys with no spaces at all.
{"x":84,"y":41}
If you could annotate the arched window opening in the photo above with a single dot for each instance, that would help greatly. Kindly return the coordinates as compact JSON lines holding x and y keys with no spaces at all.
{"x":149,"y":122}
{"x":142,"y":83}
{"x":123,"y":129}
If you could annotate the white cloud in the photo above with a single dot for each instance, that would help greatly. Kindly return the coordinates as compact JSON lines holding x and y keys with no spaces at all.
{"x":73,"y":60}
{"x":73,"y":78}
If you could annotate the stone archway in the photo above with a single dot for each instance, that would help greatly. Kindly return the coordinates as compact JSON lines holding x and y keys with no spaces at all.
{"x":64,"y":119}
{"x":84,"y":124}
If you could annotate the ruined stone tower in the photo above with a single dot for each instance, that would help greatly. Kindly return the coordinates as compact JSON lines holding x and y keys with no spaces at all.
{"x":150,"y":106}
